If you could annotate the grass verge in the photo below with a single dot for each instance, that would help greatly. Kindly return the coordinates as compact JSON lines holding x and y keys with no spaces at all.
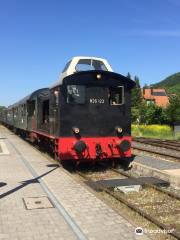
{"x":152,"y":131}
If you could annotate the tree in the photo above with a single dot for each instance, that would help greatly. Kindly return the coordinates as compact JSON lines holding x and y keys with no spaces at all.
{"x":150,"y":114}
{"x":135,"y":113}
{"x":136,"y":95}
{"x":128,"y":75}
{"x":141,"y":113}
{"x":155,"y":115}
{"x":136,"y":101}
{"x":173,"y":110}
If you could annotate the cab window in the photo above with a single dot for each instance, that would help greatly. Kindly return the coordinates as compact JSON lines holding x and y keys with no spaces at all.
{"x":90,"y":64}
{"x":75,"y":94}
{"x":66,"y":67}
{"x":116,"y":95}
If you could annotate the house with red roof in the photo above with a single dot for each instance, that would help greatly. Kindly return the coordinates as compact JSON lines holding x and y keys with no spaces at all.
{"x":155,"y":96}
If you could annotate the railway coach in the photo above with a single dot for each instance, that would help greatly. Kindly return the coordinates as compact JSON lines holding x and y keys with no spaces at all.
{"x":84,"y":116}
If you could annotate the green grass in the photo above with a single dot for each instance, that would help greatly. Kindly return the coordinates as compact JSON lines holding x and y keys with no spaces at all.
{"x":177,"y":137}
{"x":152,"y":131}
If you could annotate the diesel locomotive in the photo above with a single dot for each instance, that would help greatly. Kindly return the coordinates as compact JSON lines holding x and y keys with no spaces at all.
{"x":84,"y":116}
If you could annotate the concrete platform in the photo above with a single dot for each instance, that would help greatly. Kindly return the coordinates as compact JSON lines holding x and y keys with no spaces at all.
{"x":73,"y":211}
{"x":156,"y":167}
{"x":3,"y":148}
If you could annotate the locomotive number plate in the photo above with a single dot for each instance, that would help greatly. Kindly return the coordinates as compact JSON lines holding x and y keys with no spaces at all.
{"x":96,"y":100}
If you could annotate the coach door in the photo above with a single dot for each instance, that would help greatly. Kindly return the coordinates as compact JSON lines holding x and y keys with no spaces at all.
{"x":31,"y":109}
{"x":43,"y":114}
{"x":54,"y":103}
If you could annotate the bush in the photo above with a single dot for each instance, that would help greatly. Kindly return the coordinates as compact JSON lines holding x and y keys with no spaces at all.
{"x":173,"y":110}
{"x":177,"y":137}
{"x":152,"y":131}
{"x":150,"y":114}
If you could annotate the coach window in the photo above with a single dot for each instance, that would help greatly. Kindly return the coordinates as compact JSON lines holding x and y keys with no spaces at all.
{"x":15,"y":112}
{"x":116,"y":95}
{"x":75,"y":94}
{"x":31,"y":108}
{"x":24,"y":109}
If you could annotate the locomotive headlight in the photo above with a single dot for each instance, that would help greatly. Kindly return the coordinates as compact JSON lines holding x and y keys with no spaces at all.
{"x":98,"y":76}
{"x":76,"y":130}
{"x":118,"y":129}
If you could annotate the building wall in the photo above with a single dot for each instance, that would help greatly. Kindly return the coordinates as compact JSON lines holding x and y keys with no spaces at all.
{"x":158,"y":96}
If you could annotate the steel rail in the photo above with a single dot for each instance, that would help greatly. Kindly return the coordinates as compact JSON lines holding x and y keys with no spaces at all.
{"x":159,"y":144}
{"x":134,"y":208}
{"x":156,"y":152}
{"x":171,"y":194}
{"x":158,"y":141}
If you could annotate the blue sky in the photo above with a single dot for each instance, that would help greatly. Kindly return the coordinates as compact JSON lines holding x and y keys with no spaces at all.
{"x":37,"y":38}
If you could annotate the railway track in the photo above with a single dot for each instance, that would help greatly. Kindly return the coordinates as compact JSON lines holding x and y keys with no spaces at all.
{"x":156,"y":204}
{"x":170,"y":144}
{"x":173,"y":157}
{"x":158,"y":147}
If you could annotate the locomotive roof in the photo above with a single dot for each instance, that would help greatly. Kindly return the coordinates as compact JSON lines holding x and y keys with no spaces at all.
{"x":105,"y":75}
{"x":70,"y":67}
{"x":38,"y":92}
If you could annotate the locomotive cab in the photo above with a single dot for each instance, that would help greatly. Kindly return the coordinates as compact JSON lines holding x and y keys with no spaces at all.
{"x":92,"y":117}
{"x":81,"y":63}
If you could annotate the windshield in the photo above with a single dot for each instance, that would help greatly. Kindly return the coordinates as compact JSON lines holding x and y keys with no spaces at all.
{"x":75,"y":94}
{"x":90,"y":64}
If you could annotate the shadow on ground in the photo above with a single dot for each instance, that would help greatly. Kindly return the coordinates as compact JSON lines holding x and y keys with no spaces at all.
{"x":26,"y":183}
